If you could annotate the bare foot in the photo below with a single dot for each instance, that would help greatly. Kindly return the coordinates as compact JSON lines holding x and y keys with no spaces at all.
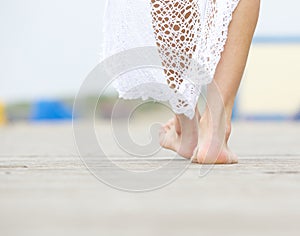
{"x":199,"y":139}
{"x":180,"y":134}
{"x":213,"y":143}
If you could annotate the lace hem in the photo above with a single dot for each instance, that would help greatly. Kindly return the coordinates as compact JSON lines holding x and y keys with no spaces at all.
{"x":148,"y":84}
{"x":133,"y":28}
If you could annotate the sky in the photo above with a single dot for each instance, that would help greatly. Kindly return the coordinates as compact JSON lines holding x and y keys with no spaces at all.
{"x":47,"y":47}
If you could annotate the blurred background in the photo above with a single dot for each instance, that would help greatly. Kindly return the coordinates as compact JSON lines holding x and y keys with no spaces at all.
{"x":48,"y":47}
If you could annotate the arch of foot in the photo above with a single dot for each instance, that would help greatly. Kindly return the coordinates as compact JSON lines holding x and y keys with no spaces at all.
{"x":176,"y":25}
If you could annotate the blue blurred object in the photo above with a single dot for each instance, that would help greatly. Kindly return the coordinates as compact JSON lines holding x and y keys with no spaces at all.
{"x":46,"y":110}
{"x":297,"y":116}
{"x":235,"y":110}
{"x":267,"y":117}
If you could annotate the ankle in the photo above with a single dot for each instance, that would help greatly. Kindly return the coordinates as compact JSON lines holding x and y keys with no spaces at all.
{"x":218,"y":123}
{"x":185,"y":125}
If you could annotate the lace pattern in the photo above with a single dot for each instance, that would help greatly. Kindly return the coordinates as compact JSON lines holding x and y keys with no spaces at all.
{"x":190,"y":36}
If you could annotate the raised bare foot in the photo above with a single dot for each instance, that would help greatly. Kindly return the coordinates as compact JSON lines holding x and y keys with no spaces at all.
{"x":180,"y":134}
{"x":213,"y":142}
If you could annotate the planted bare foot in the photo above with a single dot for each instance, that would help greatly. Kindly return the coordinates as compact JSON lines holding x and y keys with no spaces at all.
{"x":213,"y":142}
{"x":180,"y":135}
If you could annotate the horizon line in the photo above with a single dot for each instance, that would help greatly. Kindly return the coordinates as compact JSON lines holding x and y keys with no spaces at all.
{"x":276,"y":39}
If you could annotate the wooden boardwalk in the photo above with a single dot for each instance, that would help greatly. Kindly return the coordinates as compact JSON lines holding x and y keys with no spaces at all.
{"x":46,"y":190}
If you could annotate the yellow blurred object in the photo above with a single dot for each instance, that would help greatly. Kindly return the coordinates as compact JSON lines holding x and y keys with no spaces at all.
{"x":2,"y":114}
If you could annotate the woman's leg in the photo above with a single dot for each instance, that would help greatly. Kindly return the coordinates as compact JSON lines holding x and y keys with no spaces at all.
{"x":179,"y":134}
{"x":215,"y":124}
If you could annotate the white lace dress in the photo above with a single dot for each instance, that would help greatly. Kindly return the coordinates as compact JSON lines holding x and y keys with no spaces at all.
{"x":189,"y":36}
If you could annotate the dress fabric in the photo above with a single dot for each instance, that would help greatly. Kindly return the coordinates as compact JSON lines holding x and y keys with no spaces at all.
{"x":189,"y":35}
